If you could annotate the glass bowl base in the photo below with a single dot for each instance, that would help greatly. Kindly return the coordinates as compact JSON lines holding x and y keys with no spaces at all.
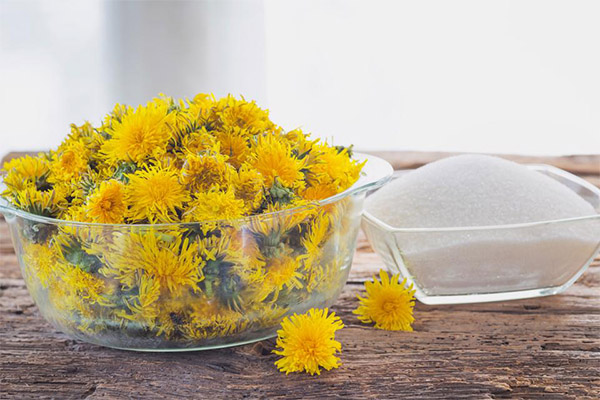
{"x":186,"y":349}
{"x":490,"y":297}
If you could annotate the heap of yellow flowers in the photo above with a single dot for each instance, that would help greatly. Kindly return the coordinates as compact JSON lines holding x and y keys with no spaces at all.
{"x":183,"y":237}
{"x":180,"y":161}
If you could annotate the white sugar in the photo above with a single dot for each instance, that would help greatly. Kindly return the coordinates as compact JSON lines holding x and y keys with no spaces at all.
{"x":474,"y":190}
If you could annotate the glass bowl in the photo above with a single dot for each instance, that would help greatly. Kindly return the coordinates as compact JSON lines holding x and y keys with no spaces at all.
{"x":491,"y":263}
{"x":190,"y":286}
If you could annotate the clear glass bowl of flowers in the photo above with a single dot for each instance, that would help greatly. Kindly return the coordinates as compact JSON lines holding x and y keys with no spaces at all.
{"x":184,"y":225}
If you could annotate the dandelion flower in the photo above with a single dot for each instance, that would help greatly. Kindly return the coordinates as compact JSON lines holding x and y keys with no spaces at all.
{"x":139,"y":134}
{"x":248,"y":184}
{"x":106,"y":205}
{"x":202,"y":109}
{"x":333,"y":167}
{"x":234,"y":145}
{"x":198,"y":141}
{"x":172,"y":264}
{"x":117,"y":114}
{"x":209,"y":321}
{"x":26,"y":171}
{"x":69,"y":163}
{"x":154,"y":194}
{"x":308,"y":342}
{"x":314,"y":239}
{"x":49,"y":203}
{"x":214,"y":205}
{"x":319,"y":192}
{"x":206,"y":171}
{"x":144,"y":308}
{"x":388,"y":304}
{"x":273,"y":159}
{"x":281,"y":273}
{"x":85,"y":285}
{"x":242,"y":114}
{"x":41,"y":259}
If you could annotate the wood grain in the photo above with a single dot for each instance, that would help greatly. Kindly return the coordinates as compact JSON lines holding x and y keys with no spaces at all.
{"x":538,"y":348}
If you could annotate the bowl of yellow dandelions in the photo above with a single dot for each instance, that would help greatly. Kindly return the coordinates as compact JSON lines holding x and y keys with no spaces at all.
{"x":185,"y":224}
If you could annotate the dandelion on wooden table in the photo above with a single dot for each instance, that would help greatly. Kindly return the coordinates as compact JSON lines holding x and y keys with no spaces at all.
{"x":388,"y":303}
{"x":307,"y":342}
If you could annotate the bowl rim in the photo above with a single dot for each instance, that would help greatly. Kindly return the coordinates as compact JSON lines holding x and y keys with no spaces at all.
{"x":370,"y":218}
{"x":375,"y":173}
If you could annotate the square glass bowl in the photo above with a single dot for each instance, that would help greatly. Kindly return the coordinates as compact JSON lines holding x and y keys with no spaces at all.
{"x":492,"y":263}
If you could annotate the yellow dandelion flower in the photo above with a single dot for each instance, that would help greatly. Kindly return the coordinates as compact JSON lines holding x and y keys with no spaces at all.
{"x":307,"y":342}
{"x":235,"y":252}
{"x":197,"y":141}
{"x":154,"y":194}
{"x":75,"y":213}
{"x":273,"y":159}
{"x":69,"y":163}
{"x":268,"y":314}
{"x":86,"y":135}
{"x":285,"y":222}
{"x":183,"y":122}
{"x":214,"y":205}
{"x":208,"y":320}
{"x":270,"y":231}
{"x":204,"y":100}
{"x":143,"y":307}
{"x":180,"y":121}
{"x":319,"y":192}
{"x":71,"y":309}
{"x":388,"y":303}
{"x":59,"y":295}
{"x":333,"y":167}
{"x":300,"y":141}
{"x":172,"y":263}
{"x":85,"y":285}
{"x":281,"y":273}
{"x":203,"y":109}
{"x":117,"y":114}
{"x":202,"y":172}
{"x":107,"y":203}
{"x":243,"y":114}
{"x":234,"y":145}
{"x":41,"y":261}
{"x":248,"y":184}
{"x":314,"y":239}
{"x":49,"y":203}
{"x":139,"y":134}
{"x":173,"y":312}
{"x":26,"y":171}
{"x":325,"y":278}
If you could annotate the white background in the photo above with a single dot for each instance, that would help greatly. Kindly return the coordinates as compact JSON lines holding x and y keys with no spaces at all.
{"x":484,"y":76}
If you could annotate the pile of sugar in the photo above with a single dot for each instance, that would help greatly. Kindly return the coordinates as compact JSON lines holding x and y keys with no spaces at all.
{"x":475,"y":190}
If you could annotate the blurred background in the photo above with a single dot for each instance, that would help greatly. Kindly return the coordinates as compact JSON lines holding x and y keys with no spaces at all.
{"x":478,"y":76}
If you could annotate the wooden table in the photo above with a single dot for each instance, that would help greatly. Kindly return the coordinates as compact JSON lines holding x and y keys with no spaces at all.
{"x":546,"y":347}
